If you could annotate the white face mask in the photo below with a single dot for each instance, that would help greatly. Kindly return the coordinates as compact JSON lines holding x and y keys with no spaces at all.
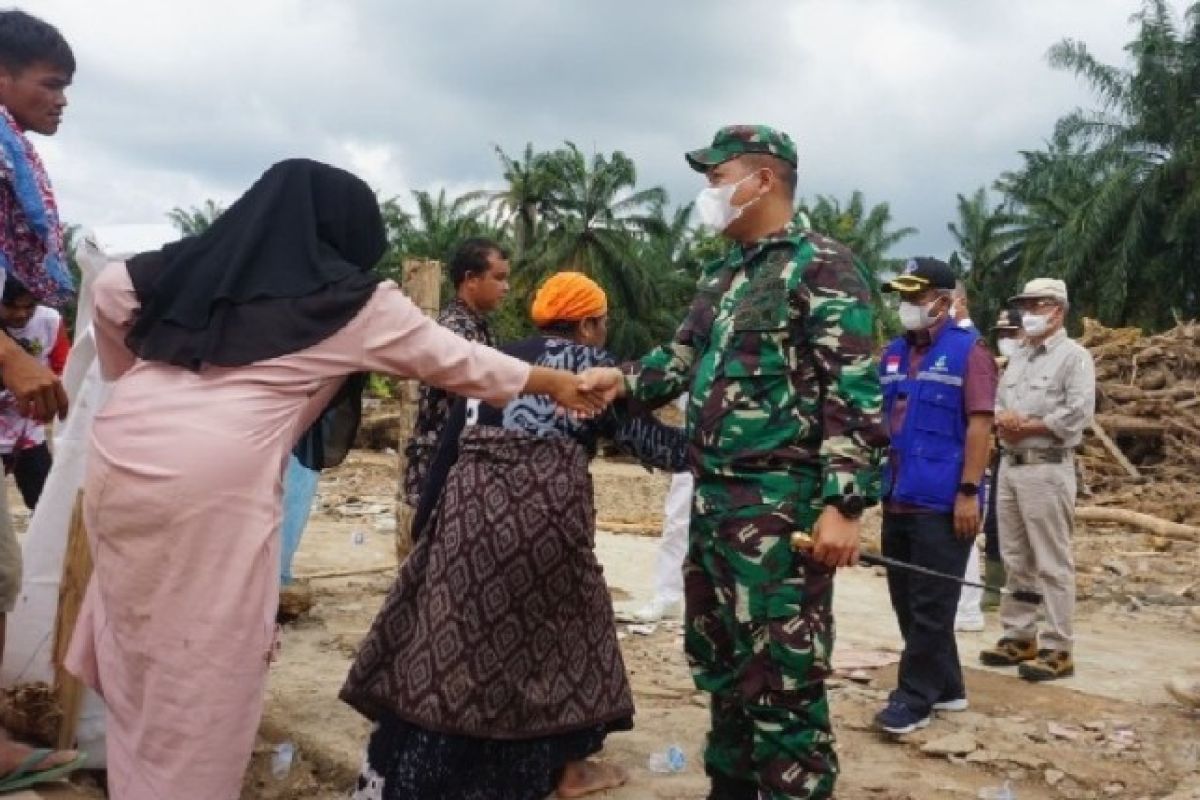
{"x":1034,"y":324}
{"x":714,"y":208}
{"x":1007,"y":347}
{"x":917,"y":317}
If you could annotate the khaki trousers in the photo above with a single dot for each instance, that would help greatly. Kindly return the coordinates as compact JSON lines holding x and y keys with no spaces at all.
{"x":1035,"y":504}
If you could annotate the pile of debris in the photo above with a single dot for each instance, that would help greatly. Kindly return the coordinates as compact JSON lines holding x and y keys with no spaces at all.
{"x":1144,"y":449}
{"x":1140,"y":470}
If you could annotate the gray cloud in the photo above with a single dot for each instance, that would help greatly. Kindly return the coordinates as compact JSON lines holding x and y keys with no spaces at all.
{"x":909,"y":100}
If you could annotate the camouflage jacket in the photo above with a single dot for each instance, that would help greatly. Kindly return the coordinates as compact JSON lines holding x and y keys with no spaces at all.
{"x":776,"y":351}
{"x":433,"y":405}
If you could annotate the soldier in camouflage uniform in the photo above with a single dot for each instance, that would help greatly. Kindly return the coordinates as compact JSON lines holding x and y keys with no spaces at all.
{"x":479,"y":272}
{"x":784,"y":423}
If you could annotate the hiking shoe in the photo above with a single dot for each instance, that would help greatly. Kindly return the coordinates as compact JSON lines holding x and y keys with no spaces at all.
{"x":955,"y":704}
{"x":726,"y":788}
{"x":1009,"y":653}
{"x":1050,"y":665}
{"x":899,"y":719}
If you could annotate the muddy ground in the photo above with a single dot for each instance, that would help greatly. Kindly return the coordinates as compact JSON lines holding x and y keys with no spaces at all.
{"x":1110,"y":732}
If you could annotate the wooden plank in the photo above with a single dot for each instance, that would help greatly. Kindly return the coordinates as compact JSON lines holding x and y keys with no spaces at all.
{"x":423,"y":285}
{"x":77,"y":570}
{"x":1117,"y":424}
{"x":1113,"y":450}
{"x":1146,"y":522}
{"x":347,"y":573}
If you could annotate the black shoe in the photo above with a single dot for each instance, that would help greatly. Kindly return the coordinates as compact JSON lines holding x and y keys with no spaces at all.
{"x":724,"y":788}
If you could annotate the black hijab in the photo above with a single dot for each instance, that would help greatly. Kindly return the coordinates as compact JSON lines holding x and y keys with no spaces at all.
{"x":285,"y":267}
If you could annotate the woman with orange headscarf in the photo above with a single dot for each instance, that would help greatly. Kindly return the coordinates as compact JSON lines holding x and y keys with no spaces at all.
{"x":493,"y":668}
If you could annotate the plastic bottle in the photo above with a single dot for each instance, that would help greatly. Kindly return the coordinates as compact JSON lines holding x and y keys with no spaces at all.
{"x":1004,"y":792}
{"x":667,"y":761}
{"x":281,"y":760}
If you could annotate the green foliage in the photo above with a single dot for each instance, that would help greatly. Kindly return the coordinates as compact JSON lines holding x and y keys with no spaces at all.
{"x":382,"y":387}
{"x":1112,"y":204}
{"x":870,"y":234}
{"x":195,"y":220}
{"x":986,"y":255}
{"x":564,"y":209}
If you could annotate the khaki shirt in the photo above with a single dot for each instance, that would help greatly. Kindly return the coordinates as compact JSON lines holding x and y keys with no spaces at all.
{"x":1054,"y":382}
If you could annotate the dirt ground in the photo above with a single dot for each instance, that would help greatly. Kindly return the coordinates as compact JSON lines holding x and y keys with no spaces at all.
{"x":1111,"y":732}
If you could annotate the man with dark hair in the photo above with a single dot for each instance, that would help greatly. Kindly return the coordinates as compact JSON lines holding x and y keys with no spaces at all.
{"x":939,"y":394}
{"x":41,"y":332}
{"x":36,"y":67}
{"x":479,"y":272}
{"x":783,"y":417}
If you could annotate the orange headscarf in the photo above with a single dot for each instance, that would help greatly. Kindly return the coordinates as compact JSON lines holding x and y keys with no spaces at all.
{"x":568,"y":297}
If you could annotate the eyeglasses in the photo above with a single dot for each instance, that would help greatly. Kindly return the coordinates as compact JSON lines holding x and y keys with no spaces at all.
{"x":1037,"y":304}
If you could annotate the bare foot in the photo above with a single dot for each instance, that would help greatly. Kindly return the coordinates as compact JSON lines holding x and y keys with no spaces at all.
{"x":13,"y":753}
{"x":581,"y":778}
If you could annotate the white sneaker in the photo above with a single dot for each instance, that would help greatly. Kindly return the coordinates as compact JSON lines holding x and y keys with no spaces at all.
{"x":971,"y":624}
{"x":958,"y":704}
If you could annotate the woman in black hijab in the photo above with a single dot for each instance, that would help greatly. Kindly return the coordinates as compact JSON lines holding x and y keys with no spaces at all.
{"x":225,"y":349}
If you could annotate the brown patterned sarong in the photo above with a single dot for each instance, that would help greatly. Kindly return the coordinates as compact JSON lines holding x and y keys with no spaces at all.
{"x":500,"y":624}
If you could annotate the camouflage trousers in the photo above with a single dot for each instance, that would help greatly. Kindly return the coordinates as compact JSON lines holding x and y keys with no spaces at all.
{"x":759,"y":631}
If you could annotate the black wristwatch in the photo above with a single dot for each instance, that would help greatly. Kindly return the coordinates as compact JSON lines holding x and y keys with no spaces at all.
{"x":968,"y":489}
{"x":850,"y":506}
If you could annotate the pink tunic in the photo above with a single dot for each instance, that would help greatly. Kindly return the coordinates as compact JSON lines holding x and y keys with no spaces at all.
{"x":182,"y":506}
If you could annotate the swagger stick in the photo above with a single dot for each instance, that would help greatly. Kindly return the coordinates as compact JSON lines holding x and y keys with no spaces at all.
{"x":802,"y":542}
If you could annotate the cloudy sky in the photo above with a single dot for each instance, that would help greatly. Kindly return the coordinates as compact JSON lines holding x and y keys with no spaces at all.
{"x":910,"y":101}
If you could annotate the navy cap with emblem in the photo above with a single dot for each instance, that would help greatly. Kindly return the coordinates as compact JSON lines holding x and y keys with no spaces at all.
{"x":922,"y":273}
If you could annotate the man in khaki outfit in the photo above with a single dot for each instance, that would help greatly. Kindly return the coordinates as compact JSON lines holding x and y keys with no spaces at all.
{"x":1047,"y":397}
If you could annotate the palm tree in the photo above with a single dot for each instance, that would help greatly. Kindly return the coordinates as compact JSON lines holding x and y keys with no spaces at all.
{"x":598,"y":222}
{"x":1137,"y":232}
{"x":986,"y":253}
{"x":519,"y":204}
{"x":439,"y":224}
{"x":196,"y":219}
{"x":868,"y":232}
{"x":870,"y":235}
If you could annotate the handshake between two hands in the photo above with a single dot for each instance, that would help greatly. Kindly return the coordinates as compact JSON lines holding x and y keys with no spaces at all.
{"x":585,"y":394}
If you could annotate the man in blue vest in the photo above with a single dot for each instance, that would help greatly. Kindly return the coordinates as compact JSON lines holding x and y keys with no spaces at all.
{"x":939,"y":391}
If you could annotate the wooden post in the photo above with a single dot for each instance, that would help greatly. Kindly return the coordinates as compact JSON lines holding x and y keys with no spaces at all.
{"x":422,"y":283}
{"x":77,"y":570}
{"x":1113,"y":450}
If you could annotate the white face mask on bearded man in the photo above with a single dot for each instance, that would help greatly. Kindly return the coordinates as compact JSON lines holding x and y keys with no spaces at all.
{"x":918,"y":317}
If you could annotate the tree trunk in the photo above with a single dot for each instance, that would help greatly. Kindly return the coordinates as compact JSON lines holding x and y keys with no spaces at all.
{"x":423,"y":285}
{"x":1156,"y":525}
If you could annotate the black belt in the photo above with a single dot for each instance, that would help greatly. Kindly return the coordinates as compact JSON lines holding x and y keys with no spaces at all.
{"x":1049,"y":455}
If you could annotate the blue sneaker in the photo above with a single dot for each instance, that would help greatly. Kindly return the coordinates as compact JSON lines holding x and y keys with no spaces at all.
{"x":898,"y":718}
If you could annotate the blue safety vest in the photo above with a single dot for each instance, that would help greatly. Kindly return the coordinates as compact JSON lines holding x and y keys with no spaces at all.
{"x":932,"y":443}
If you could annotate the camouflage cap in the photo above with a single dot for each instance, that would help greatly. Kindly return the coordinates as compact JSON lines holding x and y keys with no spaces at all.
{"x":735,"y":140}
